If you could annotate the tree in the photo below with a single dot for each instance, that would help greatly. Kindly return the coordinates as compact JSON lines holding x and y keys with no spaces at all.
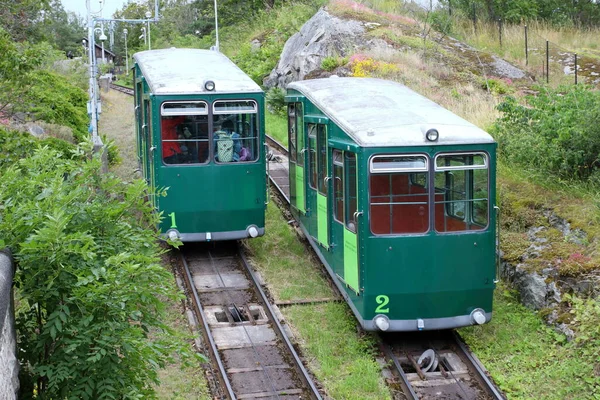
{"x":20,"y":18}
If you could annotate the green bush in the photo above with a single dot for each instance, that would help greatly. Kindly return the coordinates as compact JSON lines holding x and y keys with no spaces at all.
{"x":275,"y":99}
{"x":16,"y":145}
{"x":558,"y":131}
{"x":331,"y":63}
{"x":91,"y":287}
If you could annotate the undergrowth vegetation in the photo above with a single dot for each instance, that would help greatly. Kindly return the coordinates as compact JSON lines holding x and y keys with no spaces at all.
{"x":90,"y":284}
{"x":557,"y":130}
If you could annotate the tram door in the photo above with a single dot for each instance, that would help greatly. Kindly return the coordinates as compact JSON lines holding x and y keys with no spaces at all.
{"x":148,"y":149}
{"x":350,"y":188}
{"x":316,"y":198}
{"x":297,"y":155}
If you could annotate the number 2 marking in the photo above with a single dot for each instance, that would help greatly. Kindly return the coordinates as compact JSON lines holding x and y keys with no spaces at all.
{"x":383,"y":301}
{"x":173,"y":224}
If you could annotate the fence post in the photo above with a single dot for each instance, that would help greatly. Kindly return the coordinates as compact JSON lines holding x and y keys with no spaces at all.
{"x":547,"y":61}
{"x":576,"y":68}
{"x":500,"y":30}
{"x":526,"y":48}
{"x":9,"y":364}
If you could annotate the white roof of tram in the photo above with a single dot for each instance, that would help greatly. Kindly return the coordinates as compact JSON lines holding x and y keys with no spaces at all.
{"x":184,"y":71}
{"x":376,"y":112}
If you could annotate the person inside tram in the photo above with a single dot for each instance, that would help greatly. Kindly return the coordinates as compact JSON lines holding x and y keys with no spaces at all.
{"x":171,"y":149}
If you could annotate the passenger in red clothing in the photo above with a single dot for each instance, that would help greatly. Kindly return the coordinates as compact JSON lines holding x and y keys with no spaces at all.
{"x":171,"y":150}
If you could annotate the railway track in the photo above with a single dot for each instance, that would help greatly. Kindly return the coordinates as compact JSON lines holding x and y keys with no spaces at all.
{"x":123,"y":89}
{"x":428,"y":365}
{"x":249,"y":349}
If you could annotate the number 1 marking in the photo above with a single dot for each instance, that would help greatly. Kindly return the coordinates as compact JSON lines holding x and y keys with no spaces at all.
{"x":173,"y":224}
{"x":383,"y":301}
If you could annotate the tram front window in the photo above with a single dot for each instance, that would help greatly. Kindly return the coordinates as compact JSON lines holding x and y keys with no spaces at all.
{"x":461,"y":192}
{"x":398,"y":194}
{"x":184,"y":132}
{"x":235,"y":131}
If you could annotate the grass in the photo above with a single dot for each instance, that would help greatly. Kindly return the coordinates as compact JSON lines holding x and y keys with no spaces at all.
{"x":526,"y":358}
{"x":343,"y":361}
{"x":276,"y":127}
{"x":283,"y":260}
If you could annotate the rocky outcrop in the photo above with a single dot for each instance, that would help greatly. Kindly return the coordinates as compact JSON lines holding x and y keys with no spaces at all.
{"x":543,"y":290}
{"x":324,"y":35}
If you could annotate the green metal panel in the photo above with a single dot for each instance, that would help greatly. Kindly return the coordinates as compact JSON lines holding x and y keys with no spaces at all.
{"x":322,"y":220}
{"x":351,"y":259}
{"x":300,"y":189}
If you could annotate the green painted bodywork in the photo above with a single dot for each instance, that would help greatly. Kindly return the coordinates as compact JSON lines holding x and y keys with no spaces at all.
{"x":418,"y":276}
{"x":351,"y":260}
{"x":299,"y":182}
{"x":322,"y":220}
{"x":207,"y":197}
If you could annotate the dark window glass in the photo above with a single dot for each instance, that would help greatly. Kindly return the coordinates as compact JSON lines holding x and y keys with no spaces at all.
{"x":300,"y":134}
{"x":351,"y":190}
{"x":292,"y":131}
{"x":461,"y":192}
{"x":396,"y":204}
{"x":322,"y":158}
{"x":184,"y":132}
{"x":312,"y":156}
{"x":338,"y":186}
{"x":235,"y":131}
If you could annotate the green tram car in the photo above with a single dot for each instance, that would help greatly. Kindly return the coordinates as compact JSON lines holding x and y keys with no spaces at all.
{"x":200,"y":134}
{"x":397,"y":196}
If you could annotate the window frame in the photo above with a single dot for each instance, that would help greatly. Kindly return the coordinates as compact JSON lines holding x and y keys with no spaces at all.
{"x":254,"y":110}
{"x":410,"y":173}
{"x":468,"y":218}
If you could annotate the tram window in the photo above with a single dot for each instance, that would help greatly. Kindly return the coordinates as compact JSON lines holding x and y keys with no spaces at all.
{"x":184,"y":132}
{"x":322,"y":158}
{"x":462,"y":192}
{"x":396,"y":204}
{"x":292,"y":131}
{"x":338,"y":186}
{"x":235,"y":131}
{"x":351,"y":202}
{"x":312,"y":156}
{"x":299,"y":133}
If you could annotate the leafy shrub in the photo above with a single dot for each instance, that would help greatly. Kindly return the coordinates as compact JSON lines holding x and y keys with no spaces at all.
{"x":275,"y":99}
{"x":331,"y":63}
{"x":52,"y":98}
{"x":16,"y":145}
{"x":558,"y":131}
{"x":90,"y":283}
{"x":496,"y":86}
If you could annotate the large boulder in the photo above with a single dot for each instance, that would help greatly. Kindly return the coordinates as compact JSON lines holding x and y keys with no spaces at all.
{"x":324,"y":35}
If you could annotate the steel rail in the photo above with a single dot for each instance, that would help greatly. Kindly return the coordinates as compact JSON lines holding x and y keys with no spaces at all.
{"x":487,"y":384}
{"x":304,"y":373}
{"x":406,"y":386}
{"x":122,"y":89}
{"x":200,"y":313}
{"x":278,"y":146}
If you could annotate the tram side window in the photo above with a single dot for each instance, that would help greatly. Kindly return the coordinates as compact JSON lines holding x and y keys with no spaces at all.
{"x":235,"y":131}
{"x":292,"y":131}
{"x":184,"y":132}
{"x":396,"y":204}
{"x":299,"y":133}
{"x":350,"y":184}
{"x":322,"y":154}
{"x":338,"y":186}
{"x":312,"y":156}
{"x":462,"y":192}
